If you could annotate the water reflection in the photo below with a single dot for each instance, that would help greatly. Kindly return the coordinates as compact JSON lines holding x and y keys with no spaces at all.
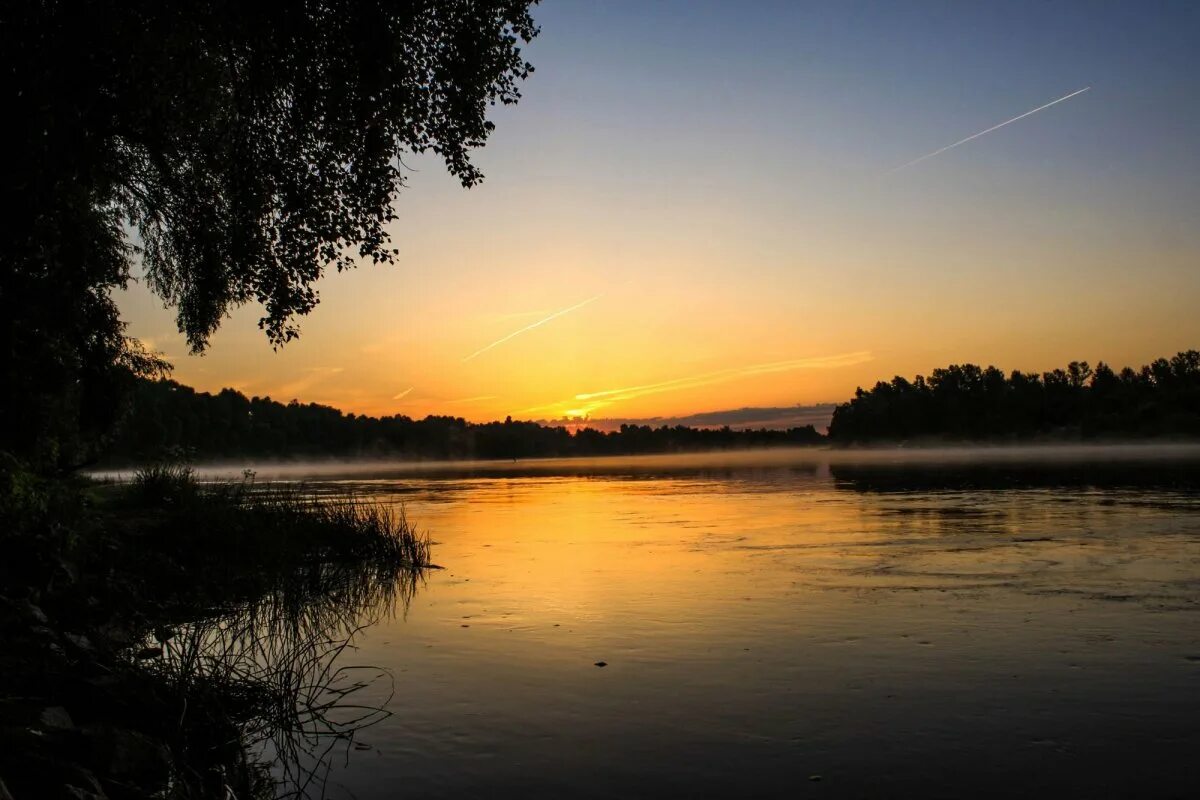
{"x":276,"y":661}
{"x":905,"y":478}
{"x":893,"y":624}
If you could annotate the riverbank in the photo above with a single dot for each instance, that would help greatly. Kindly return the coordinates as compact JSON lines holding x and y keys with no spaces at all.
{"x":158,"y":634}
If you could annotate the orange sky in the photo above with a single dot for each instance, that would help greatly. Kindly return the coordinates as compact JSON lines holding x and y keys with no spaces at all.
{"x":765,"y":254}
{"x":685,"y":338}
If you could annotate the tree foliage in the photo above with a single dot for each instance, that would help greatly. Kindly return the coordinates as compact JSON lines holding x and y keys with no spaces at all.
{"x":248,"y":147}
{"x":969,"y":402}
{"x":171,"y":418}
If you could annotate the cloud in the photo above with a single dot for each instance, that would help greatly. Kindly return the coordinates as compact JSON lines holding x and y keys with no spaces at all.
{"x":403,"y":394}
{"x":315,"y":375}
{"x":587,"y":402}
{"x":720,"y":376}
{"x":753,"y":418}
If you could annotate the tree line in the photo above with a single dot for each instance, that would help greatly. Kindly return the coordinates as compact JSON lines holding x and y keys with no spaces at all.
{"x":227,"y":153}
{"x":170,"y":419}
{"x":956,"y":403}
{"x":968,"y":402}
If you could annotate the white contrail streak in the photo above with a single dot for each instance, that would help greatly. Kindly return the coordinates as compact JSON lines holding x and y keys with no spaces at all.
{"x":989,"y":130}
{"x":555,"y":315}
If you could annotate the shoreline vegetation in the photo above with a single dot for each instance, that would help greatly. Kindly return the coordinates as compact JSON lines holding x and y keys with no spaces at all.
{"x":959,"y":403}
{"x":168,"y":418}
{"x":968,"y":403}
{"x":174,"y":639}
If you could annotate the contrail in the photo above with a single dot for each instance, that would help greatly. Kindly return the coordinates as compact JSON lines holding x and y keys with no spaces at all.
{"x":555,"y":315}
{"x":989,"y":130}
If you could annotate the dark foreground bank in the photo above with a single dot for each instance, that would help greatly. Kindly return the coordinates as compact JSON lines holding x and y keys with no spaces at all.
{"x":172,"y":640}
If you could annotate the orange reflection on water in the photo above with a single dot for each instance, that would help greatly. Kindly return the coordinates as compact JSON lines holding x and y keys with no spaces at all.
{"x":772,"y":614}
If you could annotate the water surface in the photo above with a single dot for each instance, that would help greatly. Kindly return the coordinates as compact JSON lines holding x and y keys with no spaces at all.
{"x":792,"y":624}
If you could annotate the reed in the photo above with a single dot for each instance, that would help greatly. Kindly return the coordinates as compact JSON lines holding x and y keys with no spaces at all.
{"x":271,"y":664}
{"x":248,"y":524}
{"x":290,"y":577}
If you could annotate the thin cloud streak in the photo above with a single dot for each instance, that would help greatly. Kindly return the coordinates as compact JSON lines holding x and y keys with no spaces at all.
{"x":527,"y":328}
{"x":822,"y":362}
{"x":927,"y":156}
{"x":593,"y":400}
{"x":403,"y":394}
{"x":315,"y":375}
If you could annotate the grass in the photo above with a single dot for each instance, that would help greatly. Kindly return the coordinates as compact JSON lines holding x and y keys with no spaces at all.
{"x":214,"y":616}
{"x":164,"y":482}
{"x":252,"y":591}
{"x":276,"y":523}
{"x":271,"y":664}
{"x":289,"y":577}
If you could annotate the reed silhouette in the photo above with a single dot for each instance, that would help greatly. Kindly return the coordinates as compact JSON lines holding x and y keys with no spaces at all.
{"x":275,"y":663}
{"x":193,"y":634}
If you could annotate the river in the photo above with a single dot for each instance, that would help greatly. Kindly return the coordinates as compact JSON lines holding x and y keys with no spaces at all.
{"x":789,"y":623}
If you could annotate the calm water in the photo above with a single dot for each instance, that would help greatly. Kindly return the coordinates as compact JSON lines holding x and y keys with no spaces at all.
{"x":930,"y":625}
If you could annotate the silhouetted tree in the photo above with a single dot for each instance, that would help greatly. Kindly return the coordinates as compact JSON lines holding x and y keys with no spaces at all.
{"x":247,"y":147}
{"x":967,"y":402}
{"x":170,"y":418}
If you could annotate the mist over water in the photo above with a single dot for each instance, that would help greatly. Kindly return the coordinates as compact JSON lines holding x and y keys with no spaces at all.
{"x":1022,"y":455}
{"x":965,"y":622}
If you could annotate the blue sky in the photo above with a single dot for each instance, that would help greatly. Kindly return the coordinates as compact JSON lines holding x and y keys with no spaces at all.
{"x":719,"y":175}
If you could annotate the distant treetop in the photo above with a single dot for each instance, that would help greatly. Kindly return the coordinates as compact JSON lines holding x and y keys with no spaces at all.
{"x":974,"y":403}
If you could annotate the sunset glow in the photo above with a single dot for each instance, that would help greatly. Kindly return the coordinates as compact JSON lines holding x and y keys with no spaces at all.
{"x":698,"y":222}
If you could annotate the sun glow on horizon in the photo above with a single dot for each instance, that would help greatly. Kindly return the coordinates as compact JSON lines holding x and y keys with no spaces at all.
{"x":633,"y":254}
{"x":598,"y":399}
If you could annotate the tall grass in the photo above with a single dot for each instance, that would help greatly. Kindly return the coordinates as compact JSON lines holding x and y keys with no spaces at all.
{"x":250,"y":523}
{"x":259,"y":590}
{"x":272,"y":663}
{"x":347,"y":528}
{"x":164,"y":482}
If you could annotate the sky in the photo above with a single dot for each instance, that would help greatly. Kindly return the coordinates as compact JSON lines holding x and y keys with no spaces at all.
{"x":696,"y":206}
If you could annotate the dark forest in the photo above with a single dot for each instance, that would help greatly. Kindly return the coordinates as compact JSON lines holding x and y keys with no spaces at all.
{"x":169,"y":419}
{"x":971,"y":403}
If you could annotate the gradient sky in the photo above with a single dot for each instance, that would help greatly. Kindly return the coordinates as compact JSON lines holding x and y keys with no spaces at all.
{"x":711,"y":185}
